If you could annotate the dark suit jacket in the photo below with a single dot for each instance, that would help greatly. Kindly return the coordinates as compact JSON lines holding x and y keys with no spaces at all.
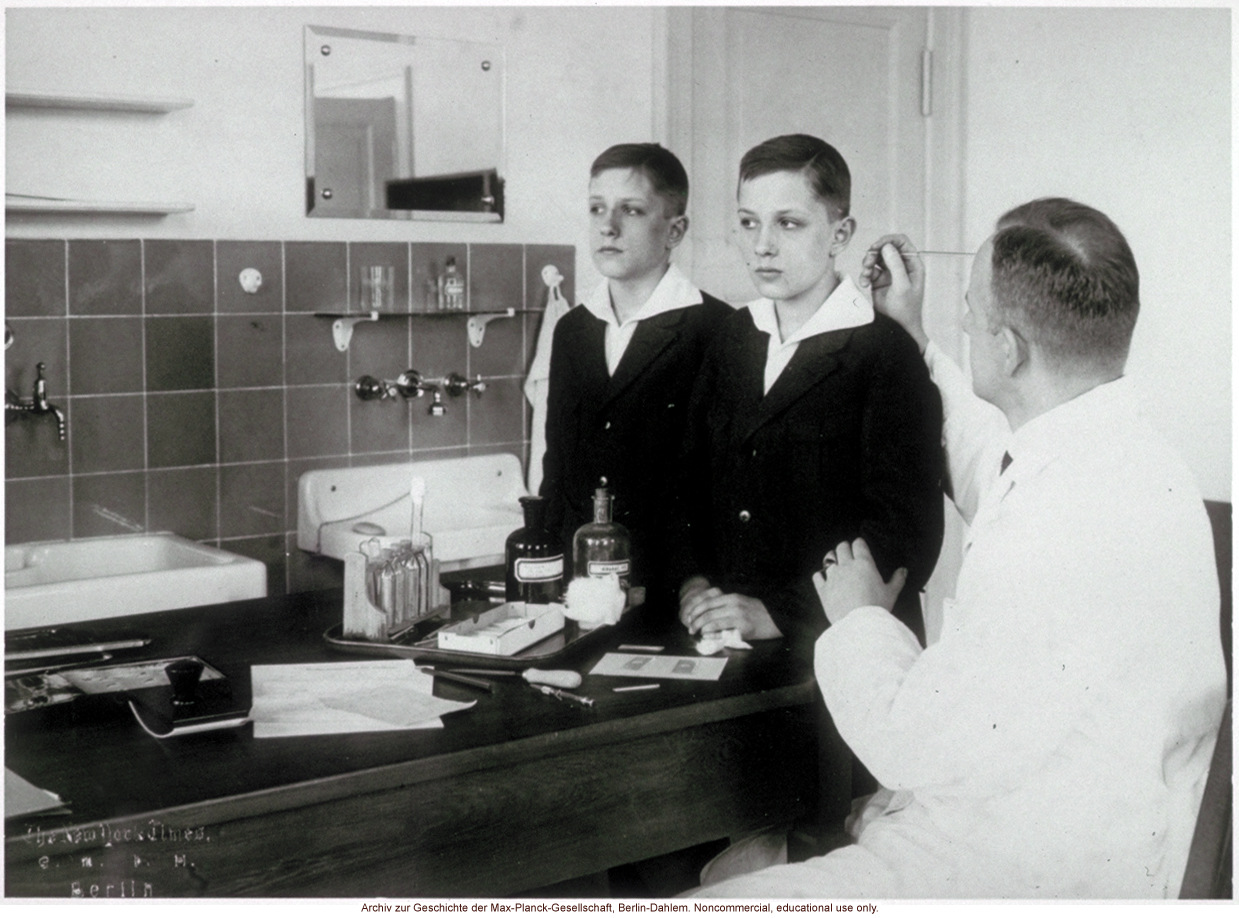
{"x":627,"y":428}
{"x":847,"y":443}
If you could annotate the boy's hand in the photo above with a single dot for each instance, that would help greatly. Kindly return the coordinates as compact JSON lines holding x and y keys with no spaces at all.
{"x":691,"y":587}
{"x":711,"y":610}
{"x":850,"y":580}
{"x":895,"y":275}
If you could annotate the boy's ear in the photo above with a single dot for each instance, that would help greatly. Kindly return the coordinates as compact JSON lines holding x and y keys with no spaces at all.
{"x":843,"y":235}
{"x":677,"y":231}
{"x":1014,"y":350}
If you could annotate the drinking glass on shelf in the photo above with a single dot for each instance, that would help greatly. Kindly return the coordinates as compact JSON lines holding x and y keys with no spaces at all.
{"x":377,"y":288}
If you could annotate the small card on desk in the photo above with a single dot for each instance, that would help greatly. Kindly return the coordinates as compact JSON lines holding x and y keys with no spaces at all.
{"x":654,"y":666}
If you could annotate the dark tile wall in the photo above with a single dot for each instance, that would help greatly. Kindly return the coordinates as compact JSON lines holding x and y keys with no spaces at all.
{"x":194,"y":406}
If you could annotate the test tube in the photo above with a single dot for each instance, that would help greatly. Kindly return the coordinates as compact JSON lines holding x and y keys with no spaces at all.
{"x":404,"y":585}
{"x":387,"y":587}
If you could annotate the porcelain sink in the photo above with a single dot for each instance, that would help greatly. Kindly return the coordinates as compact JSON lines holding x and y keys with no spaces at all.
{"x":51,"y":583}
{"x":471,"y":506}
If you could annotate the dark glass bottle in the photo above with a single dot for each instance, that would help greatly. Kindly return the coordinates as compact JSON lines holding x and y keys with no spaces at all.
{"x":602,"y":547}
{"x":534,"y":559}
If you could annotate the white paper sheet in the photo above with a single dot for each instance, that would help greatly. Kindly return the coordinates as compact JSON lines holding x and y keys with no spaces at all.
{"x":21,"y":797}
{"x":354,"y":697}
{"x":654,"y":666}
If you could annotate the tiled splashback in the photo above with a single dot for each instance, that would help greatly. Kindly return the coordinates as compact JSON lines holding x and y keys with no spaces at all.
{"x":194,"y":406}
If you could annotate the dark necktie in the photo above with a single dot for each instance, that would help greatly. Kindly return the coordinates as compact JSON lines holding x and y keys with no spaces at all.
{"x":1006,"y":461}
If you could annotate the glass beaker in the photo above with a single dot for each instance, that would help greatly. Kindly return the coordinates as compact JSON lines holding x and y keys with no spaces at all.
{"x":378,"y":283}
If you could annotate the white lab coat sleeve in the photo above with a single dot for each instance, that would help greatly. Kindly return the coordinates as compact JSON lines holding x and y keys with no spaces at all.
{"x":953,"y":719}
{"x":973,"y":432}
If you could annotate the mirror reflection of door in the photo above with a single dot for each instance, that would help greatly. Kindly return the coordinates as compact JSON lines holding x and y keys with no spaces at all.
{"x":355,"y":150}
{"x":403,"y":127}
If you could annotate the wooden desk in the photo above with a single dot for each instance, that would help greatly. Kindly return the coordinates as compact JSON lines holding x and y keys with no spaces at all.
{"x":520,"y":791}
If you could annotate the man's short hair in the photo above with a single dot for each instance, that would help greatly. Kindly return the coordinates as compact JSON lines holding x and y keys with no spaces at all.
{"x":665,"y":172}
{"x":1064,"y":274}
{"x":821,"y":164}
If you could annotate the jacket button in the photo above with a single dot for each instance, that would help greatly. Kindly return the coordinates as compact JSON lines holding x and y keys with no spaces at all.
{"x":745,"y":516}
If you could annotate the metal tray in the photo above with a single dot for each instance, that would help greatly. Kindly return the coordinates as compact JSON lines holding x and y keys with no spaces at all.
{"x":421,"y":644}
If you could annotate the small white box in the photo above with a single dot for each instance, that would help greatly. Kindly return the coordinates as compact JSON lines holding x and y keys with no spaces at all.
{"x":504,"y":630}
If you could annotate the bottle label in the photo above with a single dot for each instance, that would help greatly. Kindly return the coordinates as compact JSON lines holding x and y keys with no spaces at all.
{"x":602,"y":568}
{"x":539,"y":570}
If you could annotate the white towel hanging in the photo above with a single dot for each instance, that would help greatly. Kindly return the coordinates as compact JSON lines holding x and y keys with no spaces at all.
{"x":538,"y":380}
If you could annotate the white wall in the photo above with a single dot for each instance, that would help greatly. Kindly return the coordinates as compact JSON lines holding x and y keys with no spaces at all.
{"x":1129,"y":111}
{"x":576,"y":83}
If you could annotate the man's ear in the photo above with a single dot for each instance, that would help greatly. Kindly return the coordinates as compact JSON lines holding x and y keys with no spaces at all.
{"x":843,"y":235}
{"x":677,"y":231}
{"x":1015,"y":350}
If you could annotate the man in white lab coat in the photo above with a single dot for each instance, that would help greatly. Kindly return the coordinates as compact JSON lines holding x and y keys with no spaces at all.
{"x":1055,"y":741}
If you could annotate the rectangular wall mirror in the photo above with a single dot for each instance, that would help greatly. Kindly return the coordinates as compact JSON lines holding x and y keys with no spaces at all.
{"x":403,"y":127}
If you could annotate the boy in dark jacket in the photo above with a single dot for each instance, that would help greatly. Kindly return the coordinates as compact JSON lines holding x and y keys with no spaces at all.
{"x":814,"y":420}
{"x":623,"y":363}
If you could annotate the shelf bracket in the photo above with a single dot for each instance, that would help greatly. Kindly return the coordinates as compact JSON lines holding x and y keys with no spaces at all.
{"x":342,"y":328}
{"x":478,"y":323}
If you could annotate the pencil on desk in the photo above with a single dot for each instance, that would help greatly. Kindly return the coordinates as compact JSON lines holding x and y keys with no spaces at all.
{"x":101,"y":647}
{"x":457,"y":677}
{"x":635,"y":688}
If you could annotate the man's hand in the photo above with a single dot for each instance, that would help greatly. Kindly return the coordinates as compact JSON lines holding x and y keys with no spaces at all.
{"x":895,"y":275}
{"x":852,"y":580}
{"x":709,"y":610}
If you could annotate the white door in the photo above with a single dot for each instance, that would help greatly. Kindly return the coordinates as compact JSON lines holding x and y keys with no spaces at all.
{"x":741,"y":75}
{"x":854,"y":77}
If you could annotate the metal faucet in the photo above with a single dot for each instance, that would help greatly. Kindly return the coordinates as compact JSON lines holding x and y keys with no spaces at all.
{"x":459,"y":385}
{"x":408,"y":384}
{"x":15,"y":408}
{"x":411,"y":384}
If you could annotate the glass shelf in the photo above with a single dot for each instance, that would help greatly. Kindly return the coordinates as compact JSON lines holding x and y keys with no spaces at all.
{"x":20,"y":204}
{"x":343,"y":322}
{"x":436,"y":314}
{"x":92,"y":102}
{"x":47,"y":205}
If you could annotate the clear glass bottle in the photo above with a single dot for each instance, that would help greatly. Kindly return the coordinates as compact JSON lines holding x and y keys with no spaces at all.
{"x":534,"y":559}
{"x":602,"y":547}
{"x":453,"y":286}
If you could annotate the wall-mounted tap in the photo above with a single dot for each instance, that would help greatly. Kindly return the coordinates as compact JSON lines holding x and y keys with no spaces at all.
{"x":369,"y":389}
{"x":15,"y":408}
{"x":456,"y":384}
{"x":408,"y":384}
{"x":411,"y":384}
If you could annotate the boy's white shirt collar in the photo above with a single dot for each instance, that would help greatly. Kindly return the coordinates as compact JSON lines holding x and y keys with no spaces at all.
{"x":846,"y":307}
{"x":674,"y":291}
